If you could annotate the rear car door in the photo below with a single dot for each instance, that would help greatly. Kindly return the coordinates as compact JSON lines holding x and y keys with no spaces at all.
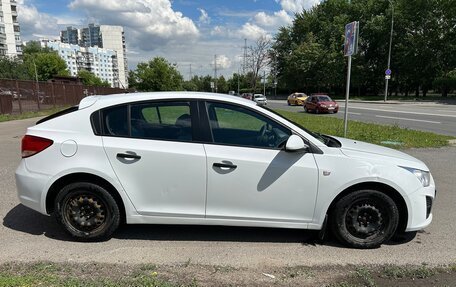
{"x":150,"y":147}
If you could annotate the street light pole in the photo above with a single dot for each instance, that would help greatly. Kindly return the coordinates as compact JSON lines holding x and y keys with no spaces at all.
{"x":389,"y":50}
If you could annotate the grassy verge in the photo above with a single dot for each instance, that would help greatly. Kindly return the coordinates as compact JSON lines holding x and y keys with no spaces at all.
{"x":27,"y":115}
{"x":193,"y":275}
{"x":386,"y":135}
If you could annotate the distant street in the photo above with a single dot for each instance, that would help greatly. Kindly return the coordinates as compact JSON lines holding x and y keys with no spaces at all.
{"x":437,"y":118}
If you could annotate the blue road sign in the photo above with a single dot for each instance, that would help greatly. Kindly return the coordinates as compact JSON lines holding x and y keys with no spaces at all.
{"x":388,"y":72}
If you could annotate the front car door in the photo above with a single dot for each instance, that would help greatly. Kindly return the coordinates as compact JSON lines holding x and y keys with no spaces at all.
{"x":250,"y":176}
{"x":151,"y":149}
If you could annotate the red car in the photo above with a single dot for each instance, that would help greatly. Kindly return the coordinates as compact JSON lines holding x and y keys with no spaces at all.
{"x":320,"y":103}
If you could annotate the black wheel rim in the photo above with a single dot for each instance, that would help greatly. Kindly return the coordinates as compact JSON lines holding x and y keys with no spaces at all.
{"x":366,"y":219}
{"x":85,"y":212}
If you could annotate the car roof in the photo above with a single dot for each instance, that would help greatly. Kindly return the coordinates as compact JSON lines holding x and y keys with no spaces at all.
{"x":114,"y":99}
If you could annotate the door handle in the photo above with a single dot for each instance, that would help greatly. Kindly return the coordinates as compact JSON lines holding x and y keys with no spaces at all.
{"x":128,"y":155}
{"x":224,"y":165}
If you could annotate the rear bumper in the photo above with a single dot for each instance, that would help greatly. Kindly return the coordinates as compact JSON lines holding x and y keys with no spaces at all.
{"x":31,"y":188}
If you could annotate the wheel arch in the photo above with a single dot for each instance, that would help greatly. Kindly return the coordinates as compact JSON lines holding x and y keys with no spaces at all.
{"x":381,"y":187}
{"x":83,"y":177}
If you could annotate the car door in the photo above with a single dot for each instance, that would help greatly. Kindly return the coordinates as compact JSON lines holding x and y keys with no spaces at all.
{"x":150,"y":147}
{"x":250,"y":177}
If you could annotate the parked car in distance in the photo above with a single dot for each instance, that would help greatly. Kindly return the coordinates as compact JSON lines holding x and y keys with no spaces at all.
{"x":248,"y":96}
{"x":296,"y":99}
{"x":320,"y":103}
{"x":213,"y":159}
{"x":260,"y":99}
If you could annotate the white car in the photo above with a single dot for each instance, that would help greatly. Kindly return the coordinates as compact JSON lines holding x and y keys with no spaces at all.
{"x":204,"y":158}
{"x":260,"y":99}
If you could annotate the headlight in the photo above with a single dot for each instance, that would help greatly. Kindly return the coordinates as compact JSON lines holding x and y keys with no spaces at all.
{"x":423,"y":176}
{"x":323,"y":106}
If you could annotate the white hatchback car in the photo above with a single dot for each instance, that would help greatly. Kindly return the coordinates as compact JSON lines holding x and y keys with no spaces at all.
{"x":200,"y":158}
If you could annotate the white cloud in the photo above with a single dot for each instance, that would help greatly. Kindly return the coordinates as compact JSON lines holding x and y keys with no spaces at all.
{"x":148,"y":24}
{"x":278,"y":19}
{"x":204,"y":17}
{"x":297,"y":6}
{"x":252,"y":31}
{"x":35,"y":24}
{"x":223,"y":62}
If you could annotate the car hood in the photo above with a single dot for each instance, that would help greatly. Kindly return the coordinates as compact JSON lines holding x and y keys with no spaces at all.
{"x":328,"y":103}
{"x":353,"y":148}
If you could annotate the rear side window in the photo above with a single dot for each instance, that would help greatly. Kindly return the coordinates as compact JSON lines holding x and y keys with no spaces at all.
{"x":156,"y":120}
{"x":167,"y":121}
{"x":115,"y":121}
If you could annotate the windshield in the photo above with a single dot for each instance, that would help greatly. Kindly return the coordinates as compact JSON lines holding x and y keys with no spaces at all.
{"x":324,"y":99}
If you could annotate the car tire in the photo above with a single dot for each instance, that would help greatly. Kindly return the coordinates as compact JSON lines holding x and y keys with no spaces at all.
{"x":364,"y":219}
{"x":305,"y":109}
{"x":289,"y":103}
{"x":317,"y":111}
{"x":87,"y":211}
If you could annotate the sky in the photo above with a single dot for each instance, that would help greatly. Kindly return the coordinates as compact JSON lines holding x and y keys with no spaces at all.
{"x":185,"y":32}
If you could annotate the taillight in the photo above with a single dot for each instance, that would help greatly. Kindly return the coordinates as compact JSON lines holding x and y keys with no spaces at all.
{"x":32,"y":145}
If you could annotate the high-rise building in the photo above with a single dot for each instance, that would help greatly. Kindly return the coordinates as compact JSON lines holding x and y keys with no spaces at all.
{"x":104,"y":36}
{"x":10,"y":32}
{"x":101,"y":62}
{"x":70,"y":36}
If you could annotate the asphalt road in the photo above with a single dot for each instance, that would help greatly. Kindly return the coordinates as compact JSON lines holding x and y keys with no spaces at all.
{"x":25,"y":235}
{"x":433,"y":117}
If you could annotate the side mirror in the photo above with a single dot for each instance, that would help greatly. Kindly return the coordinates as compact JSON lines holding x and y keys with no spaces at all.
{"x":295,"y":143}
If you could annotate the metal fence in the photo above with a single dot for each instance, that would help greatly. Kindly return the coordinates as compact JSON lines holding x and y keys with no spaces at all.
{"x":18,"y":97}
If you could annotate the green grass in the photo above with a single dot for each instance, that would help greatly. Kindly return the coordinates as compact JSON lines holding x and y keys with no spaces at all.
{"x":27,"y":115}
{"x":371,"y":133}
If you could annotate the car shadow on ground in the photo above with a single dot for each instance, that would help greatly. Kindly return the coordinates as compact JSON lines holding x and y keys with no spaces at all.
{"x":26,"y":220}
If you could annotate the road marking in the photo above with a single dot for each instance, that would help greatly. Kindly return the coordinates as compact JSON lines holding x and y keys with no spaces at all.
{"x":351,"y":113}
{"x":405,"y":119}
{"x":404,"y":112}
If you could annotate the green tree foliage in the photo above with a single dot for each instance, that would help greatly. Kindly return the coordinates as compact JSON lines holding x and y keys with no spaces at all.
{"x":45,"y":65}
{"x":309,"y":53}
{"x":13,"y":68}
{"x":90,"y":79}
{"x":156,"y":75}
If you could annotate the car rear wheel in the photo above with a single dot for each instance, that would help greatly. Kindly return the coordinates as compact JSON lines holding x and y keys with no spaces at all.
{"x":289,"y":103}
{"x":87,"y":211}
{"x":364,"y":219}
{"x":305,"y":109}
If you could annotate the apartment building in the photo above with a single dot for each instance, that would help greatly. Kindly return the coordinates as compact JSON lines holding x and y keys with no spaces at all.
{"x":101,"y":36}
{"x":10,"y":32}
{"x":102,"y":62}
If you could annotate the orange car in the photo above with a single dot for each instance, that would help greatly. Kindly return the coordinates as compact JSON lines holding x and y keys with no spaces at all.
{"x":296,"y":99}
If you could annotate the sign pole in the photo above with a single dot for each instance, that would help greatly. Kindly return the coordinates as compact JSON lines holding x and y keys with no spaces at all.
{"x":347,"y":93}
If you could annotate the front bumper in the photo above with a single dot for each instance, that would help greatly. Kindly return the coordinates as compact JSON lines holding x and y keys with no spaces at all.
{"x":31,"y":188}
{"x":420,"y":209}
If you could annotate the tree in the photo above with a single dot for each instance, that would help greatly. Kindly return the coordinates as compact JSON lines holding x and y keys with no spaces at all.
{"x":90,"y":79}
{"x":45,"y":65}
{"x":156,"y":75}
{"x":13,"y":68}
{"x":258,"y":59}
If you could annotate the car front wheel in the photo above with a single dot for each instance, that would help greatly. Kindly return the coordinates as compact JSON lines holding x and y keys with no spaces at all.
{"x":87,"y":211}
{"x":365,"y":219}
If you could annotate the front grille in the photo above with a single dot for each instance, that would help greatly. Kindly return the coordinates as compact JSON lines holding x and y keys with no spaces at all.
{"x":428,"y":206}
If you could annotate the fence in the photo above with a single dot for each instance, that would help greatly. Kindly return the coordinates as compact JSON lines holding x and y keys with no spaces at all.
{"x":18,"y":97}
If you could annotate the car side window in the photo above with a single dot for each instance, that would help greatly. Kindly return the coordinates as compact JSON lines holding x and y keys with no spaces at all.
{"x":161,"y":121}
{"x":115,"y":121}
{"x":235,"y":125}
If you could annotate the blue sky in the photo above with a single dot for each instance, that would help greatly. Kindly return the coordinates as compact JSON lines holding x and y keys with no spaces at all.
{"x":186,"y":32}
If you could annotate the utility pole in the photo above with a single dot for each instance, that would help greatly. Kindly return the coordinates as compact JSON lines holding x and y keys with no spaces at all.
{"x":245,"y":57}
{"x":264,"y":83}
{"x":238,"y":80}
{"x":389,"y":51}
{"x":215,"y":72}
